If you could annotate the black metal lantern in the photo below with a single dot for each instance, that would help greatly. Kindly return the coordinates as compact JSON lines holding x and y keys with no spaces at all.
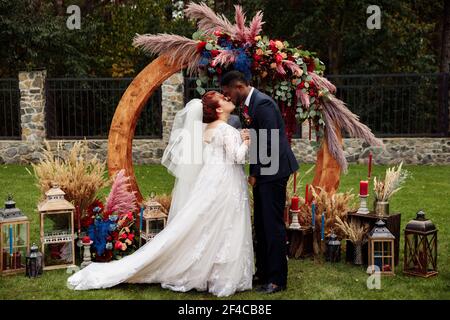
{"x":333,"y":252}
{"x":420,"y":257}
{"x":34,"y":262}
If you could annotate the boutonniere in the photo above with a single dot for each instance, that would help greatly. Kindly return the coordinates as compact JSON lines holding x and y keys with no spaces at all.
{"x":247,"y":118}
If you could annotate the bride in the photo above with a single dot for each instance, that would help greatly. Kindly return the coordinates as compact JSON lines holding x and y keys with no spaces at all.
{"x":207,"y":243}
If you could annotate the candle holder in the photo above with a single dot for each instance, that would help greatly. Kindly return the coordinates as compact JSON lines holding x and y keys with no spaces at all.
{"x":363,"y":204}
{"x":86,"y":254}
{"x":295,"y":225}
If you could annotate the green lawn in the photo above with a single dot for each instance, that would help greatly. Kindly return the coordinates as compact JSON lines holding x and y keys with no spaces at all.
{"x":429,"y":189}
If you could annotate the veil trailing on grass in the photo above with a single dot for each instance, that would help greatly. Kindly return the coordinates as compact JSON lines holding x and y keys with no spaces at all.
{"x":183,"y":156}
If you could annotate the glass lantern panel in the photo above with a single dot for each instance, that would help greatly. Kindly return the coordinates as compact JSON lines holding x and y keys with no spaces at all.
{"x":387,"y":265}
{"x":156,"y":226}
{"x":387,"y":248}
{"x":377,"y":249}
{"x":57,"y":254}
{"x":14,"y":245}
{"x":57,"y":224}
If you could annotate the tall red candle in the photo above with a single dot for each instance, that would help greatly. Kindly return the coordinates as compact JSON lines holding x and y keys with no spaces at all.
{"x":370,"y":165}
{"x":295,"y":182}
{"x":363,"y":188}
{"x":294,"y":202}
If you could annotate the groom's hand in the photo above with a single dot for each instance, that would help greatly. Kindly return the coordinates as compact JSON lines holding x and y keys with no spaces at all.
{"x":252,"y":181}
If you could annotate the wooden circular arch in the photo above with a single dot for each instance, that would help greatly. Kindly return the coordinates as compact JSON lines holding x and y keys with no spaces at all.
{"x":123,"y":125}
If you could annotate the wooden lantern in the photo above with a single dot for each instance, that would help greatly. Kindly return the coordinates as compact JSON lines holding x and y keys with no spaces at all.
{"x":154,"y":220}
{"x":57,"y":230}
{"x":14,"y":238}
{"x":381,"y":249}
{"x":420,"y":256}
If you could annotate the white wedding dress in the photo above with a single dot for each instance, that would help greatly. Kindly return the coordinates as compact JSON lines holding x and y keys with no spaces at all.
{"x":207,"y":246}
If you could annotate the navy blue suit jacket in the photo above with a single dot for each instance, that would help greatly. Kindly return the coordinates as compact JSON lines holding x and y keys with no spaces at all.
{"x":265,"y":114}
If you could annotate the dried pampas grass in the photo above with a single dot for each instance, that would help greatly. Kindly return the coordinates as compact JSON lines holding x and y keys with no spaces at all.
{"x":393,"y":181}
{"x":77,"y":175}
{"x":355,"y":231}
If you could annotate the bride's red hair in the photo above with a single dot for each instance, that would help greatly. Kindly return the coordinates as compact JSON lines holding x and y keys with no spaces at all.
{"x":211,"y":101}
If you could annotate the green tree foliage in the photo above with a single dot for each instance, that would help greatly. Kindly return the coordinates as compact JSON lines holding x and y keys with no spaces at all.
{"x":33,"y":33}
{"x":408,"y":40}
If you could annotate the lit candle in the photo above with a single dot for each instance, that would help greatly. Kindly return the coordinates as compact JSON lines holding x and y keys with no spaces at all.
{"x":322,"y":231}
{"x":370,"y":165}
{"x":363,"y":188}
{"x":306,"y":193}
{"x":294,"y":202}
{"x":10,"y":239}
{"x":313,"y":218}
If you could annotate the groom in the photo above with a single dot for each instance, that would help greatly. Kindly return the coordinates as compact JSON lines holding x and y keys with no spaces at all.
{"x":262,"y":114}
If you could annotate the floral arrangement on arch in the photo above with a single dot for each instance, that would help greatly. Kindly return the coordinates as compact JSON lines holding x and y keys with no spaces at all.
{"x":291,"y":75}
{"x":111,"y":226}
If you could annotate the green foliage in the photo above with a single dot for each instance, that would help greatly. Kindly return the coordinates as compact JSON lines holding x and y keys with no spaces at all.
{"x":33,"y":34}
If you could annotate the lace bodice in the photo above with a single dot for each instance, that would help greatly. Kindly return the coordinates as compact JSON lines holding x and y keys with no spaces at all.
{"x":225,"y":146}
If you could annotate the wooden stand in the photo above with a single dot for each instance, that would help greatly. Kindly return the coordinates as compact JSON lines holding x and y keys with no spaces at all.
{"x":300,"y":242}
{"x":392,"y":223}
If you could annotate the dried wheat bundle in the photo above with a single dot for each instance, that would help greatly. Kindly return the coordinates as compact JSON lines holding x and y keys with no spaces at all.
{"x":355,"y":231}
{"x":393,"y":181}
{"x":77,"y":176}
{"x":333,"y":205}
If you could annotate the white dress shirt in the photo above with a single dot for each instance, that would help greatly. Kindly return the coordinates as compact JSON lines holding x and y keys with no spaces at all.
{"x":247,"y":100}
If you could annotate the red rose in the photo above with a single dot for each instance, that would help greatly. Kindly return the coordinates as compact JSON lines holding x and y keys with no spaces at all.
{"x":278,"y":58}
{"x":219,"y":71}
{"x":131,"y":236}
{"x":215,"y":52}
{"x":311,"y":93}
{"x":311,"y":66}
{"x":200,"y":46}
{"x":115,"y":235}
{"x":217,"y":33}
{"x":301,"y":85}
{"x":118,"y":245}
{"x":109,"y":238}
{"x":123,"y":236}
{"x":86,"y":239}
{"x":130,"y":216}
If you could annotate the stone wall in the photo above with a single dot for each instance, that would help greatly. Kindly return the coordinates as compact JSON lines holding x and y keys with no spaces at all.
{"x":149,"y":151}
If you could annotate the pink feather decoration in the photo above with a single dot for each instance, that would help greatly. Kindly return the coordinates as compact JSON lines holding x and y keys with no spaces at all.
{"x":322,"y":82}
{"x":180,"y":50}
{"x":240,"y":28}
{"x":304,"y":97}
{"x":208,"y":20}
{"x":295,"y":69}
{"x":255,"y":27}
{"x":280,"y":69}
{"x":224,"y":58}
{"x":120,"y":199}
{"x":337,"y":114}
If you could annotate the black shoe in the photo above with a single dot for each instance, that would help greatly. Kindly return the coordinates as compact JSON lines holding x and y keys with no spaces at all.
{"x":273,"y":288}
